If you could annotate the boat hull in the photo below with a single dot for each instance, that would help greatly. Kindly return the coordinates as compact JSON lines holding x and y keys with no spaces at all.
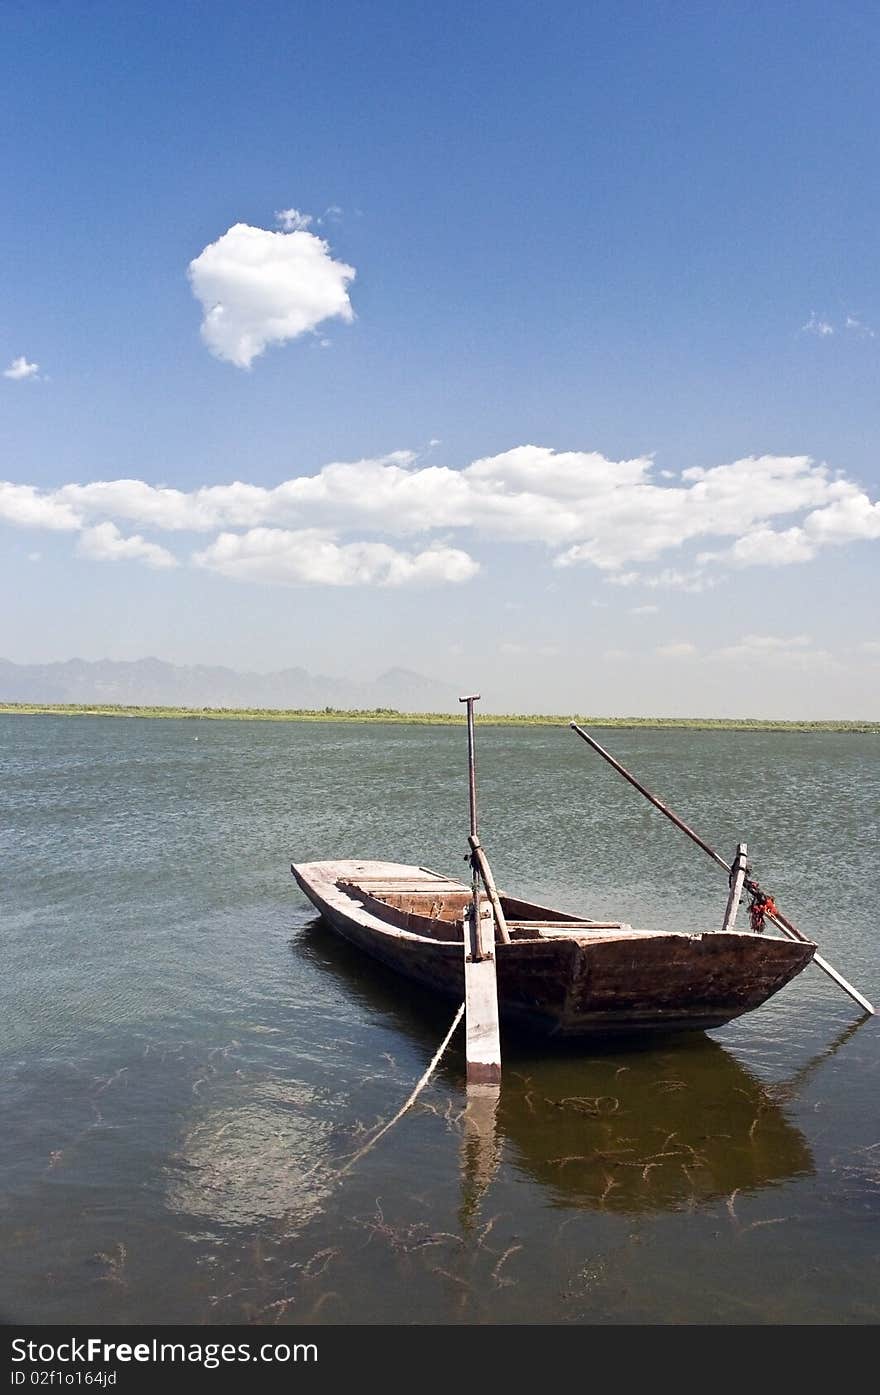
{"x":578,"y":984}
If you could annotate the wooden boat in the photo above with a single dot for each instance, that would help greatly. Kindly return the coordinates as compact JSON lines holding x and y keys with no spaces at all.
{"x":562,"y":974}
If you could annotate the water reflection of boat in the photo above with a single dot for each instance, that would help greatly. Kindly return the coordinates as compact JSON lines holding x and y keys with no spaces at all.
{"x":651,"y":1129}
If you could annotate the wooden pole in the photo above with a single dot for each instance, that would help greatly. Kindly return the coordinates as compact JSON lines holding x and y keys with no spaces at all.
{"x":479,"y":861}
{"x":737,"y":876}
{"x":478,"y":853}
{"x":472,"y":762}
{"x":482,"y":1028}
{"x":780,"y":921}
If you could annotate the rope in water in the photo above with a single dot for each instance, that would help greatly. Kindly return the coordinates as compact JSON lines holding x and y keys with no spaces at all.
{"x":412,"y":1099}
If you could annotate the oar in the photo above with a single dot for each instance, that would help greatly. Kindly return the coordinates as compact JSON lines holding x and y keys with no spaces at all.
{"x":780,"y":921}
{"x":482,"y":1032}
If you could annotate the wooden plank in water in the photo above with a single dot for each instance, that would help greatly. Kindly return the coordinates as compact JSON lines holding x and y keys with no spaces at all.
{"x":482,"y":1028}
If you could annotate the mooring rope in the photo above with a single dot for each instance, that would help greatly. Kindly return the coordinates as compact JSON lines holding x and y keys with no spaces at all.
{"x":412,"y":1099}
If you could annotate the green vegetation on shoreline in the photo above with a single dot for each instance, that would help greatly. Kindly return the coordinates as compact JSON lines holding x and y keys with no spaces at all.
{"x":389,"y":715}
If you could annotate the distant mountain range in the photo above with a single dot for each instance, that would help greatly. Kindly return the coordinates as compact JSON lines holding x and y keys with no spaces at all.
{"x":152,"y":682}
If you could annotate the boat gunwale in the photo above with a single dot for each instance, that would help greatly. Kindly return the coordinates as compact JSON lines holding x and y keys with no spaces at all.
{"x":325,"y":885}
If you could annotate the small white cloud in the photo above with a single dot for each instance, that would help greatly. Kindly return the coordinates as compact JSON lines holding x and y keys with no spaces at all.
{"x":643,"y":609}
{"x":105,"y":543}
{"x":816,"y":325}
{"x":311,"y":557}
{"x":258,"y":288}
{"x":676,"y":651}
{"x":291,"y":220}
{"x":824,"y":329}
{"x":851,"y":517}
{"x":857,"y":326}
{"x":19,"y":369}
{"x":870,"y":646}
{"x":540,"y":651}
{"x":776,"y":651}
{"x":766,"y":547}
{"x":34,"y":556}
{"x":693,"y":581}
{"x":766,"y":644}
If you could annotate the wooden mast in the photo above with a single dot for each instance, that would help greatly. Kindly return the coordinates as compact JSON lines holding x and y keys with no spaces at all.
{"x":482,"y":1032}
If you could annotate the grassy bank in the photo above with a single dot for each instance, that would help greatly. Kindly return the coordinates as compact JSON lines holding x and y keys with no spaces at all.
{"x":388,"y":714}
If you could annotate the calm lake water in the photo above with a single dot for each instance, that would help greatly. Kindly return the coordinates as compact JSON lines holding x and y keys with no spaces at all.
{"x":188,"y":1057}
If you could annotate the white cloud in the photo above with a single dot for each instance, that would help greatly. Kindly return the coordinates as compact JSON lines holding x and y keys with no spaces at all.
{"x":693,"y":580}
{"x":816,"y":325}
{"x":313,"y":557}
{"x":870,"y":646}
{"x":26,"y":507}
{"x":583,"y":508}
{"x":824,"y":328}
{"x":105,"y":543}
{"x":766,"y":644}
{"x":643,"y":609}
{"x":19,"y":369}
{"x":684,"y":650}
{"x":850,"y":518}
{"x":542,"y":651}
{"x":170,"y":510}
{"x":775,"y":651}
{"x":291,"y":220}
{"x":772,"y":549}
{"x":611,"y":512}
{"x":258,"y":288}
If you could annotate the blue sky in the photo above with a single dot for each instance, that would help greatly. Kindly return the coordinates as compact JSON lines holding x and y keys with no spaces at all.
{"x":614,"y":233}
